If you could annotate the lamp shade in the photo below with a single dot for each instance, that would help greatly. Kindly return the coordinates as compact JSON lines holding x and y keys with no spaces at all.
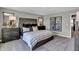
{"x":40,"y":20}
{"x":12,"y":18}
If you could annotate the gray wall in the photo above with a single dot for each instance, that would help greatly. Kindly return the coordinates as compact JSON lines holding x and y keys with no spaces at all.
{"x":17,"y":14}
{"x":27,"y":21}
{"x":66,"y":25}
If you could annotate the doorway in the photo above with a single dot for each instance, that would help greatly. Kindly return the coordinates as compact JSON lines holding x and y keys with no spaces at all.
{"x":73,"y":25}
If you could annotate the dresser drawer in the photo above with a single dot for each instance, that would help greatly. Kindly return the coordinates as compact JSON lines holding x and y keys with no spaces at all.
{"x":9,"y":34}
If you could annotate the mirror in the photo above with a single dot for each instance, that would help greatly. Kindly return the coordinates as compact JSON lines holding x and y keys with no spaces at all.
{"x":9,"y":19}
{"x":40,"y":21}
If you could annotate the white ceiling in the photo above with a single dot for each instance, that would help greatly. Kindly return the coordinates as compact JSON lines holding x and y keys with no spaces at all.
{"x":43,"y":10}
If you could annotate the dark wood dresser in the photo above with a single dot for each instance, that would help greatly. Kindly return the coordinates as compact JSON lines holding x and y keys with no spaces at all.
{"x":9,"y":34}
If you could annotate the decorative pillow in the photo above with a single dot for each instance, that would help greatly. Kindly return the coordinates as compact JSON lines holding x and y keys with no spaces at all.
{"x":34,"y":28}
{"x":26,"y":29}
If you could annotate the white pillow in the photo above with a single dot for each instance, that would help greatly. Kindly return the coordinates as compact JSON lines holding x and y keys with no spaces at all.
{"x":34,"y":28}
{"x":26,"y":29}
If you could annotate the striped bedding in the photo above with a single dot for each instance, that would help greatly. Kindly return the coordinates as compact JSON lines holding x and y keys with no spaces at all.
{"x":31,"y":38}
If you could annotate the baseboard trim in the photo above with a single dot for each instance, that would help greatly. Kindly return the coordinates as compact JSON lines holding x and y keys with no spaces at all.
{"x":64,"y":36}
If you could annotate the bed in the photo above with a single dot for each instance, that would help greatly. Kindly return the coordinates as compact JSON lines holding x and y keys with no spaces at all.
{"x":34,"y":39}
{"x":37,"y":38}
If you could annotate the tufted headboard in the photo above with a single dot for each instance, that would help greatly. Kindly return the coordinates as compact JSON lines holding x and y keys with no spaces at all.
{"x":27,"y":22}
{"x":29,"y":25}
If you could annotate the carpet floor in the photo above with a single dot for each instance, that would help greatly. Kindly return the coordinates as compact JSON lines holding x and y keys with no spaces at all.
{"x":57,"y":44}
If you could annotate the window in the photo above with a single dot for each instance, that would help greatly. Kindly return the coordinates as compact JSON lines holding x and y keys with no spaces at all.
{"x":56,"y":23}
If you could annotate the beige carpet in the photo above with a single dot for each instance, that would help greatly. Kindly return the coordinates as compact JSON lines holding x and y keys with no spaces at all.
{"x":57,"y":44}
